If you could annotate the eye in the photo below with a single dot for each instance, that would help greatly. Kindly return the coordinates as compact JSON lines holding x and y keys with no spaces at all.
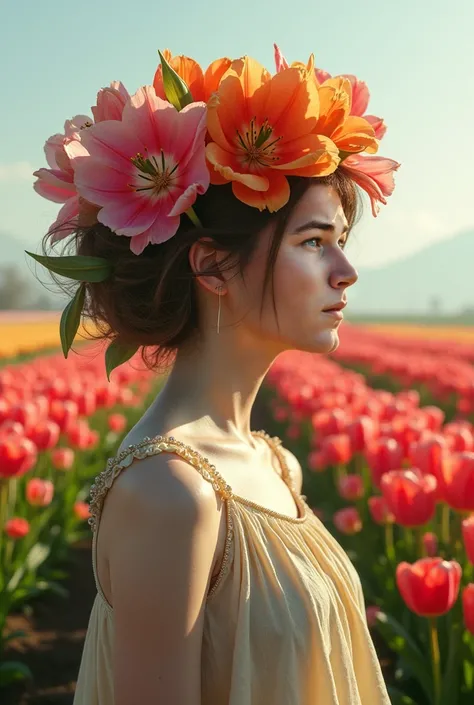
{"x":314,"y":242}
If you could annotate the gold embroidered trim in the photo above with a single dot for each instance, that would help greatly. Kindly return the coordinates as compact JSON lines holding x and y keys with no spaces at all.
{"x":146,"y":448}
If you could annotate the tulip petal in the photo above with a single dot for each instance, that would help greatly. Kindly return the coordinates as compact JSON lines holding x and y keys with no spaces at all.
{"x":280,"y":62}
{"x":214,"y":75}
{"x":274,"y":198}
{"x":360,"y":95}
{"x":66,"y":221}
{"x":380,"y":128}
{"x":55,"y":185}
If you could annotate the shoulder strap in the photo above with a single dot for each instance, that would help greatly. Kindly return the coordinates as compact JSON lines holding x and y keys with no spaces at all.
{"x":277,"y":448}
{"x":146,"y":448}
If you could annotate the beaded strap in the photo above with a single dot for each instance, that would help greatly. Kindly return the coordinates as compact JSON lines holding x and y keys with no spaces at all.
{"x":146,"y":448}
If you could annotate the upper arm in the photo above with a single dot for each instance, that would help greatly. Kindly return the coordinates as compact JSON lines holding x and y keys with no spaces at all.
{"x":295,"y":469}
{"x":161,"y":529}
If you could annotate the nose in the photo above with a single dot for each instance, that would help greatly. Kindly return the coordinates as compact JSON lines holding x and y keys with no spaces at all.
{"x":343,"y":275}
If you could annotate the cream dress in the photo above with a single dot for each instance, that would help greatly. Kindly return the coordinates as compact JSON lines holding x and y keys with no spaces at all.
{"x":285,"y":619}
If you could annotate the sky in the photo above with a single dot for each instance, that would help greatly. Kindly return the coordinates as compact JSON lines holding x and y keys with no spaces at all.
{"x":417,"y":57}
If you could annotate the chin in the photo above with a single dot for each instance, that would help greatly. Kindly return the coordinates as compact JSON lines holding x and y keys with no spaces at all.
{"x":323,"y":344}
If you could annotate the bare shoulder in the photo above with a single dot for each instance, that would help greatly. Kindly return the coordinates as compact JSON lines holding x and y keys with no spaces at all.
{"x":294,"y":467}
{"x":161,"y":492}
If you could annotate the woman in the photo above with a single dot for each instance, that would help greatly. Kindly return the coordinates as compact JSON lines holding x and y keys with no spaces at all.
{"x":216,"y":583}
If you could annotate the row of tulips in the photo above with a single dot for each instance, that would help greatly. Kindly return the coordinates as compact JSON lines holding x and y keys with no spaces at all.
{"x":443,"y":369}
{"x":395,"y":483}
{"x":58,"y":423}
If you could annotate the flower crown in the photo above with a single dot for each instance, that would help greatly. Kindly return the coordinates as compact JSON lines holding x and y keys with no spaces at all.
{"x":139,"y":164}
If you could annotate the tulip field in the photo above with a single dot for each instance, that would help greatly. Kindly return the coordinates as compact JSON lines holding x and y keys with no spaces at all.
{"x":384,"y":431}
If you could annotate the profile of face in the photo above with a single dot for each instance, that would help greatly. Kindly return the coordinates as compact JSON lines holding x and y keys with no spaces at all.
{"x":310,"y":280}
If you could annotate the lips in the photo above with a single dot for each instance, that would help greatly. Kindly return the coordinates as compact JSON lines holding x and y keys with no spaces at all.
{"x":335,"y":307}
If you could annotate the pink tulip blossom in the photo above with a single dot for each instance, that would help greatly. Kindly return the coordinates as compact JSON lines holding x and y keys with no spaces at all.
{"x":374,"y":175}
{"x":144,"y":171}
{"x":110,"y":102}
{"x":57,"y":183}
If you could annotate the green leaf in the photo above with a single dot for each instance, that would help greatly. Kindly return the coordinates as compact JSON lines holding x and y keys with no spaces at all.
{"x":398,"y":698}
{"x":116,"y":354}
{"x":77,"y":267}
{"x":176,"y":90}
{"x":12,"y":671}
{"x":401,"y":642}
{"x":70,"y":319}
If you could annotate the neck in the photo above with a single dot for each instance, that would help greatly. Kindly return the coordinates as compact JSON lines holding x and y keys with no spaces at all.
{"x":212,"y":388}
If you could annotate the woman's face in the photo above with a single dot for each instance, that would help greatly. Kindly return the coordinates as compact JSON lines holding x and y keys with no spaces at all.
{"x":311,"y":278}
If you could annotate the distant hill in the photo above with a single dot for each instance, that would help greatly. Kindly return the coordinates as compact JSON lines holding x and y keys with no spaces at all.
{"x":439,"y":279}
{"x":12,"y":253}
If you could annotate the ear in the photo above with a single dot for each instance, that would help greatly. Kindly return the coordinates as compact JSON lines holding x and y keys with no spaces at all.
{"x":203,"y":257}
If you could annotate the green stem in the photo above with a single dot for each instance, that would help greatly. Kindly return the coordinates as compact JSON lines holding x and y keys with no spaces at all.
{"x":421,"y":545}
{"x":445,"y":524}
{"x":389,"y":542}
{"x":436,"y":660}
{"x":191,"y":213}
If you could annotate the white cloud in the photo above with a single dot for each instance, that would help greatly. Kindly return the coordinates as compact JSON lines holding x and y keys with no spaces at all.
{"x":16,"y":171}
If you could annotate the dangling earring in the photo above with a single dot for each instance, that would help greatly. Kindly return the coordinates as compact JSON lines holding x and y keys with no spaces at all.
{"x":219,"y":294}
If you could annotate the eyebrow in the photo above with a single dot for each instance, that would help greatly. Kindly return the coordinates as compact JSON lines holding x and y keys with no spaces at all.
{"x":317,"y":225}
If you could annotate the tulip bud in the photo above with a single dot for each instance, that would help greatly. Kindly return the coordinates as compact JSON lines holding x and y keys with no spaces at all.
{"x":62,"y":458}
{"x":362,"y":433}
{"x":384,"y":455}
{"x":39,"y":493}
{"x":351,"y":487}
{"x":17,"y":456}
{"x":410,"y":496}
{"x":81,"y":510}
{"x":347,"y":521}
{"x":457,"y":482}
{"x":117,"y":422}
{"x":17,"y":528}
{"x":430,"y":586}
{"x":379,"y":510}
{"x":337,"y":449}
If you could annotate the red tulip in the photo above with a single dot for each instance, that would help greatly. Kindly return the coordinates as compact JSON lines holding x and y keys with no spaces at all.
{"x":336,"y":449}
{"x":86,"y":402}
{"x":317,"y":461}
{"x":293,"y":431}
{"x":117,"y":422}
{"x":468,"y":536}
{"x":12,"y":428}
{"x":81,"y":510}
{"x":64,"y":413}
{"x":62,"y":458}
{"x":327,"y":423}
{"x":430,"y":455}
{"x":384,"y":455}
{"x":434,"y":416}
{"x":362,"y":432}
{"x":430,"y":544}
{"x":39,"y":493}
{"x":410,"y":496}
{"x":17,"y":456}
{"x":45,"y":435}
{"x":351,"y":487}
{"x":457,"y":482}
{"x":468,"y":607}
{"x":379,"y":510}
{"x":26,"y":413}
{"x":17,"y":528}
{"x":430,"y":586}
{"x":79,"y":435}
{"x":347,"y":521}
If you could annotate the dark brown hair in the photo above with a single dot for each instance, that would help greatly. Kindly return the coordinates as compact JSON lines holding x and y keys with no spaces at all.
{"x":150,"y":299}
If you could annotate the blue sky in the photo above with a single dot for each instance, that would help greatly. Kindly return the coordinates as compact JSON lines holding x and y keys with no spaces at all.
{"x":417,"y":57}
